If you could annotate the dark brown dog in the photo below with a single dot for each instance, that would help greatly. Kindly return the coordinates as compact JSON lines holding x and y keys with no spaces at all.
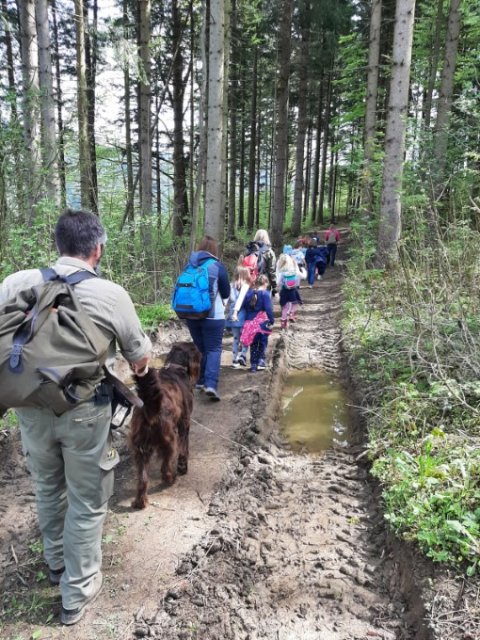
{"x":162,"y":426}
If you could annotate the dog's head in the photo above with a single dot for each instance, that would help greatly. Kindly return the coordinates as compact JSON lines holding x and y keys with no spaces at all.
{"x":185,"y":354}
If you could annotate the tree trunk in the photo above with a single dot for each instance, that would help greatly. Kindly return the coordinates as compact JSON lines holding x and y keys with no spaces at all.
{"x":191,"y":165}
{"x":241,"y":170}
{"x":144,"y":129}
{"x":59,"y":101}
{"x":281,"y":134}
{"x":12,"y":94}
{"x":390,"y":209}
{"x":31,"y":131}
{"x":302,"y":128}
{"x":258,"y":181}
{"x":49,"y":138}
{"x":308,"y":173}
{"x":128,"y":116}
{"x":445,"y":99}
{"x":82,"y":109}
{"x":3,"y":194}
{"x":179,"y":171}
{"x":91,"y":70}
{"x":224,"y":160}
{"x":432,"y":76}
{"x":325,"y":140}
{"x":371,"y":105}
{"x":12,"y":89}
{"x":158,"y":169}
{"x":214,"y":191}
{"x":233,"y":124}
{"x":253,"y":145}
{"x":202,"y":147}
{"x":318,"y":142}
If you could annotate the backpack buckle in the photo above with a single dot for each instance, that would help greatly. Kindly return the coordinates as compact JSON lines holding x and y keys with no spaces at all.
{"x":15,"y":362}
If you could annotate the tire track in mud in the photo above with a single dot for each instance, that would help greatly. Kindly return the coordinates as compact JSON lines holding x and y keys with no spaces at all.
{"x":297,"y":548}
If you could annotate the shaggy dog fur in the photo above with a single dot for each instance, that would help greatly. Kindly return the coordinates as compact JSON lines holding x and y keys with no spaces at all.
{"x":162,"y":426}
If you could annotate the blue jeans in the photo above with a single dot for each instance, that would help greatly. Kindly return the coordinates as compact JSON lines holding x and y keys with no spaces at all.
{"x":236,"y":346}
{"x":311,"y":268}
{"x":207,"y":336}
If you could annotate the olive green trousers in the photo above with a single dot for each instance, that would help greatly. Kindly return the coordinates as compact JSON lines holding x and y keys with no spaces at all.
{"x":71,"y":461}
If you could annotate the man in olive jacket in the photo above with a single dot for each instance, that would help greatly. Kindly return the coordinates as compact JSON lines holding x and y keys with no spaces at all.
{"x":70,"y":456}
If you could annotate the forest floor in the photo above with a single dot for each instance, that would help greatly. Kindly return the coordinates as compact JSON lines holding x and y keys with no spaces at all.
{"x":256,"y":541}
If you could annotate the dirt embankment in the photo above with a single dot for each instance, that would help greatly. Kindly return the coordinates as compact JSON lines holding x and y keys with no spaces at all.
{"x":255,"y":542}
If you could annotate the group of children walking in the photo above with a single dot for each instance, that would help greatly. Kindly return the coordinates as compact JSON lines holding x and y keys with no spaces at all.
{"x":249,"y":311}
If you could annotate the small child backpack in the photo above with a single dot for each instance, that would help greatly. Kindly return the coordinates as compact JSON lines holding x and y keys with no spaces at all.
{"x":289,"y":280}
{"x":254,"y":260}
{"x":191,"y":296}
{"x":250,"y":262}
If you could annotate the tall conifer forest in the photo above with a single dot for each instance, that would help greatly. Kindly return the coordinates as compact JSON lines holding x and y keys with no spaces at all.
{"x":175,"y":118}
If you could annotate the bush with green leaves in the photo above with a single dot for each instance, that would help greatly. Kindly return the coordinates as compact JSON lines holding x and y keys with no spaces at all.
{"x":413,"y":334}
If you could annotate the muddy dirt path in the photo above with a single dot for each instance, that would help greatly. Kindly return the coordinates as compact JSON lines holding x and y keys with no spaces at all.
{"x":255,"y":542}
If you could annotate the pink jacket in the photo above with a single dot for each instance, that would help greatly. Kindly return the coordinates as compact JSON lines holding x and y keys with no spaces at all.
{"x":334,"y":231}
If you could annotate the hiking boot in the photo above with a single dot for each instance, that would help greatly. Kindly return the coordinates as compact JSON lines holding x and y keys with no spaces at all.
{"x":261,"y":365}
{"x":55,"y":575}
{"x":72,"y":616}
{"x":242,"y":361}
{"x":212,"y":394}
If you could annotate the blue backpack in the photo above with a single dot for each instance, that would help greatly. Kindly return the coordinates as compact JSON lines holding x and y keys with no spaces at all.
{"x":191,"y":296}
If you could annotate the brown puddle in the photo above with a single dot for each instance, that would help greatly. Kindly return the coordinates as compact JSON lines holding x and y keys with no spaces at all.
{"x":314,"y":415}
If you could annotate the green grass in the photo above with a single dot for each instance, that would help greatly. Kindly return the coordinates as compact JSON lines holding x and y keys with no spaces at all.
{"x":152,"y":315}
{"x":414,"y":345}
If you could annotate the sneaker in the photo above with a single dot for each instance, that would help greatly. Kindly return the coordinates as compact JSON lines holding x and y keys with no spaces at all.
{"x":212,"y":394}
{"x":261,"y":365}
{"x":242,"y":361}
{"x":72,"y":616}
{"x":55,"y":575}
{"x":235,"y":364}
{"x":310,"y":286}
{"x":201,"y":387}
{"x":319,"y":277}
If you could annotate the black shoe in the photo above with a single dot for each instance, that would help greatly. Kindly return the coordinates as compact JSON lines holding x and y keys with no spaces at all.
{"x":242,"y":361}
{"x":212,"y":394}
{"x":55,"y":575}
{"x":72,"y":616}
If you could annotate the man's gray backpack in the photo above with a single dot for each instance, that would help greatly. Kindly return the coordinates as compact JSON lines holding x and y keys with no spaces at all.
{"x":51,"y":352}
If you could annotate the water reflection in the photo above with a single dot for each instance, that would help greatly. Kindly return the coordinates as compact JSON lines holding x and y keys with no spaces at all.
{"x":314,"y":414}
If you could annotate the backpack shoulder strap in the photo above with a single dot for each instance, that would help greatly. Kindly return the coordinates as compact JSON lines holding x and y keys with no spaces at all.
{"x":49,"y":274}
{"x":79,"y":276}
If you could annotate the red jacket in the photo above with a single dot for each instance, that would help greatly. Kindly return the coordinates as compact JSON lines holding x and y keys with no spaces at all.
{"x":335,"y":232}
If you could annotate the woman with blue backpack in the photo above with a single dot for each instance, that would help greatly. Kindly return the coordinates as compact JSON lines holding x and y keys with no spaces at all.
{"x":199,"y":299}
